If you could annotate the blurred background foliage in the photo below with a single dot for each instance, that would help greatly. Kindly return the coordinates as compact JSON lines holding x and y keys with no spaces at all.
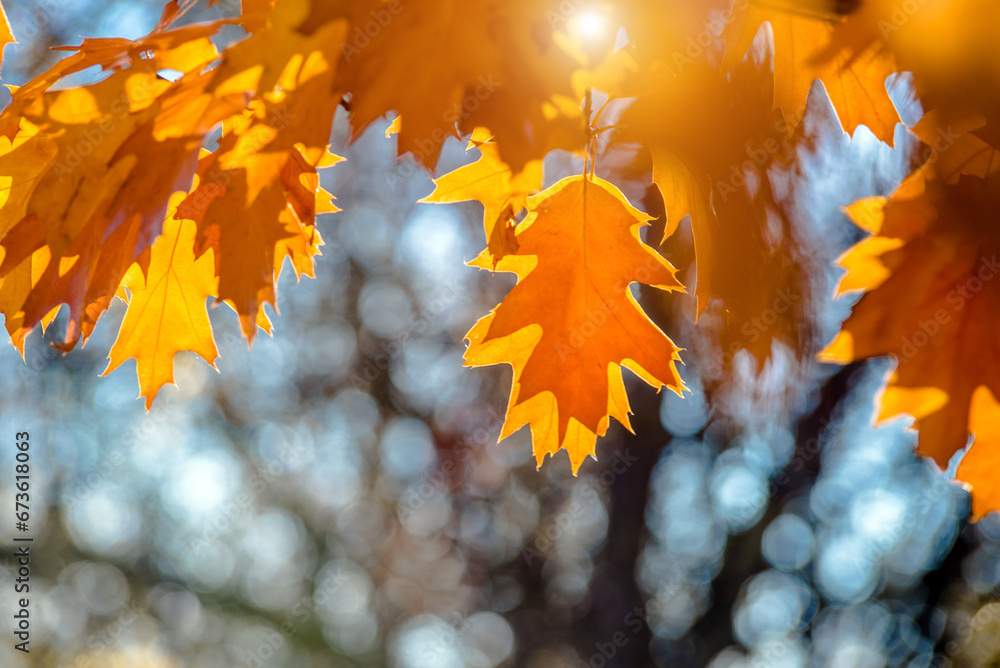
{"x":336,"y":497}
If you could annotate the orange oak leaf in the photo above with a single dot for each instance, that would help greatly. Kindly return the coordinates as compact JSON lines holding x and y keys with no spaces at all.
{"x":166,"y":310}
{"x":950,"y":48}
{"x":953,"y":148}
{"x":502,"y":193}
{"x":251,"y":230}
{"x":932,"y":301}
{"x":182,"y":50}
{"x":676,"y":32}
{"x":571,"y":322}
{"x":978,"y":468}
{"x":713,"y":142}
{"x":13,"y":290}
{"x":856,"y":84}
{"x":95,"y":166}
{"x":92,"y":168}
{"x":468,"y":64}
{"x":20,"y":160}
{"x":259,"y":193}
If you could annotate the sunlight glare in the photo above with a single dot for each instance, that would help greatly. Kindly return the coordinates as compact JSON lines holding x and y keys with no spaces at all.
{"x":590,"y":24}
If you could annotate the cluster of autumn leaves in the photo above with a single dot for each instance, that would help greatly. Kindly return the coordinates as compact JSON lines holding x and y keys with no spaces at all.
{"x":190,"y":172}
